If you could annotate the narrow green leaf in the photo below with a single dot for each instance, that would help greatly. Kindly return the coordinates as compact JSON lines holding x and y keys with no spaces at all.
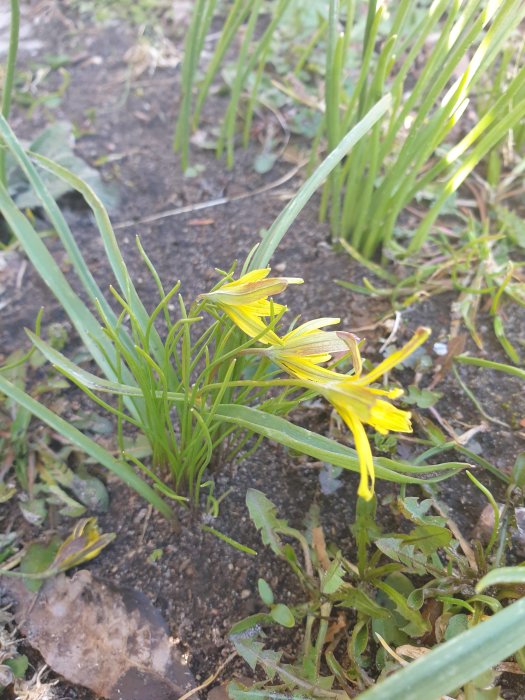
{"x":332,"y":580}
{"x":358,"y":599}
{"x":263,"y":514}
{"x":323,"y":448}
{"x":489,"y":364}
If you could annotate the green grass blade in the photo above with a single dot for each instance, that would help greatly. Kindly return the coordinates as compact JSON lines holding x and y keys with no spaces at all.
{"x":111,"y":247}
{"x":86,"y":379}
{"x":236,"y":17}
{"x":507,"y":575}
{"x":85,"y":322}
{"x":201,"y":18}
{"x":489,"y":364}
{"x":56,"y":217}
{"x":9,"y":75}
{"x":228,"y":129}
{"x":488,"y":141}
{"x":286,"y":218}
{"x":320,"y":447}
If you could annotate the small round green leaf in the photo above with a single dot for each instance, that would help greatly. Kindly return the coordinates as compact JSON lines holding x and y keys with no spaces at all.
{"x":265,"y":592}
{"x":282,"y":615}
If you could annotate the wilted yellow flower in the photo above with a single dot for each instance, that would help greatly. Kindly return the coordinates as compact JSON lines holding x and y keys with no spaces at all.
{"x":83,"y":544}
{"x":246,"y":301}
{"x":252,"y":287}
{"x":358,"y":403}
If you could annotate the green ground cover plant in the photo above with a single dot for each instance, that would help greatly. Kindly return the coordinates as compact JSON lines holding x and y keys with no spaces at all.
{"x":9,"y":77}
{"x":483,"y":268}
{"x":40,"y":475}
{"x":366,"y":612}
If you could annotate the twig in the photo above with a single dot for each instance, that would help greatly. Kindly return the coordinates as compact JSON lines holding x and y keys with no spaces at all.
{"x":210,"y":679}
{"x":189,"y":208}
{"x":391,"y":338}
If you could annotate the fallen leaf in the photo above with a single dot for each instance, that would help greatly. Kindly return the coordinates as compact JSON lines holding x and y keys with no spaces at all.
{"x":109,"y":639}
{"x":411,"y":652}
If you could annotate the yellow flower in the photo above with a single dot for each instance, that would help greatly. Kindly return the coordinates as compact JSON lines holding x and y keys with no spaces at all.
{"x":358,"y":403}
{"x":303,"y":348}
{"x":246,"y":301}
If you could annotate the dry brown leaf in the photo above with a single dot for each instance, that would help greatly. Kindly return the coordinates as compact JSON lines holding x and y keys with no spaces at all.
{"x":411,"y":652}
{"x":336,"y":627}
{"x":319,"y":545}
{"x":111,"y":640}
{"x":456,"y":346}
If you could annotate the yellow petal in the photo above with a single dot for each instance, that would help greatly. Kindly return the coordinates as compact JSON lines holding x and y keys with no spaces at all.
{"x":263,"y":307}
{"x":253,"y":276}
{"x":395,"y":358}
{"x":313,"y":325}
{"x":251,"y":287}
{"x":394,"y":393}
{"x":314,"y":343}
{"x":305,"y":369}
{"x":362,"y":446}
{"x":385,"y":417}
{"x":250,"y":323}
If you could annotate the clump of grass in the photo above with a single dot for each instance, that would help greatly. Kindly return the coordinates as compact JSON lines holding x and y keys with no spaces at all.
{"x":432,"y":60}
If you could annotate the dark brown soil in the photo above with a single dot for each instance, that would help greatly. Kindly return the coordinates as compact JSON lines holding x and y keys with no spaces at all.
{"x":200,"y":583}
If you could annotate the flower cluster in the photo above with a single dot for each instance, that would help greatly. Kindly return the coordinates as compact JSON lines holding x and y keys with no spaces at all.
{"x":302,"y":352}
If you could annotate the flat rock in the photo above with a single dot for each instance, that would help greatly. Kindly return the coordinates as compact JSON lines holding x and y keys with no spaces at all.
{"x":111,"y":640}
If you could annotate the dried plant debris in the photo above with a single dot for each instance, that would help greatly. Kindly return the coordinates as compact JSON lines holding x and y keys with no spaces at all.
{"x":514,"y":520}
{"x":111,"y":640}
